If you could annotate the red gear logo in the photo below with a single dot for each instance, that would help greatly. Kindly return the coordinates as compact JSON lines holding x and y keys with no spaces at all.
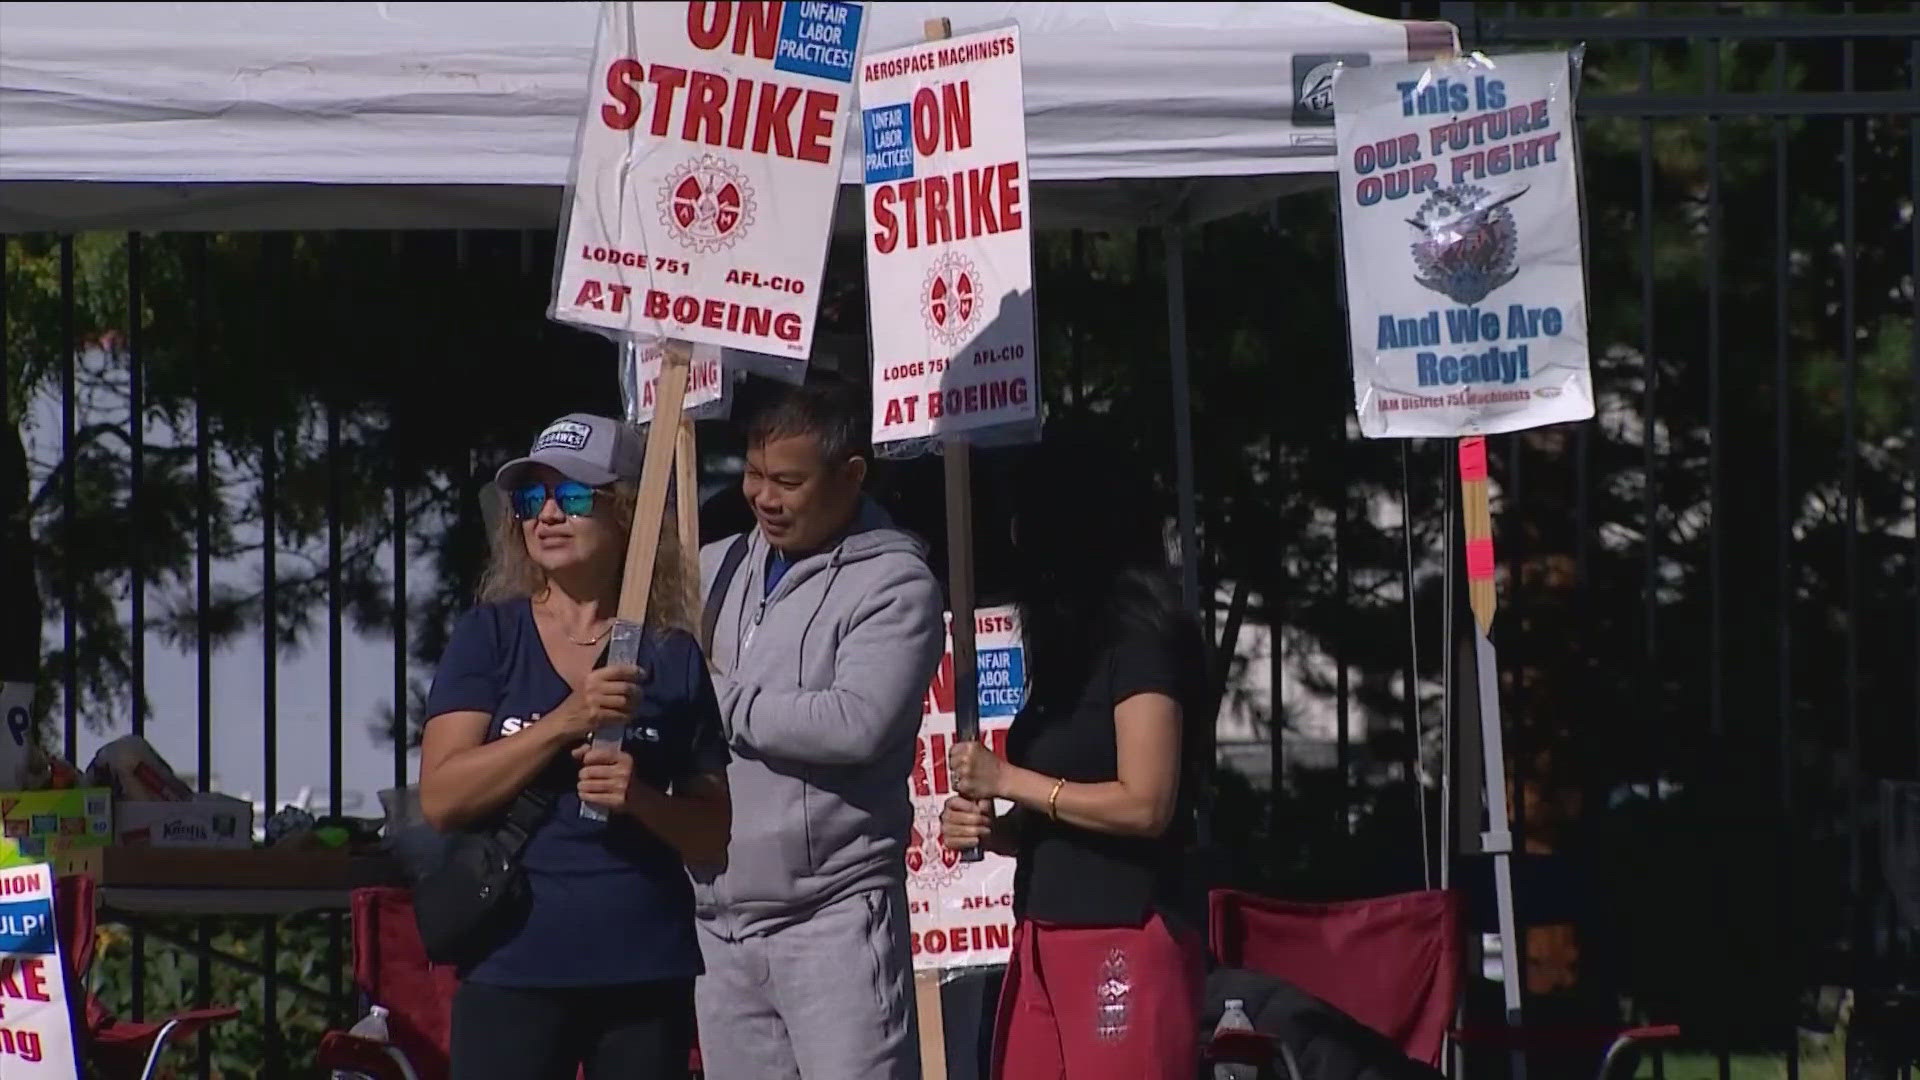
{"x":950,"y":298}
{"x":929,"y":862}
{"x":707,"y":204}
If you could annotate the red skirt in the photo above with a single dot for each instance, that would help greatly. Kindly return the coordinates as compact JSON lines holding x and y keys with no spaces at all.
{"x":1095,"y":1003}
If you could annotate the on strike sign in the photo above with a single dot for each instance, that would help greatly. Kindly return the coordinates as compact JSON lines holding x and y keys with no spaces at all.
{"x":36,"y":1037}
{"x":962,"y":913}
{"x":949,"y":244}
{"x":705,"y":172}
{"x":1460,"y":220}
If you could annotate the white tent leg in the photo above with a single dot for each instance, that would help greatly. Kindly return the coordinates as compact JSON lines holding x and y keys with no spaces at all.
{"x":1175,"y":237}
{"x":1498,"y":840}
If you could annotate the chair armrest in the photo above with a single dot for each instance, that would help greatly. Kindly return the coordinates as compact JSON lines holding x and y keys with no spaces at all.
{"x":1622,"y":1043}
{"x":350,"y":1053}
{"x":1616,"y":1041}
{"x":1246,"y":1047}
{"x":1557,"y":1036}
{"x":189,"y":1022}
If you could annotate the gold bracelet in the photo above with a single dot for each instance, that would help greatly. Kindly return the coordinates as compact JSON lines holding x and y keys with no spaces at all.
{"x":1053,"y":800}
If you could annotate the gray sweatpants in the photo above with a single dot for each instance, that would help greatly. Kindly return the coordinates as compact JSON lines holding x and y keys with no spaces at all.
{"x":830,"y":998}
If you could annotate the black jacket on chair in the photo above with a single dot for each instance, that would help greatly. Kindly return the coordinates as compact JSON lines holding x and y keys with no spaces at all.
{"x":1322,"y":1042}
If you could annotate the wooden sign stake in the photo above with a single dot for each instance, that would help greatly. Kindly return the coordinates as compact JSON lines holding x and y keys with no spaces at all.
{"x":958,"y":459}
{"x":643,"y":543}
{"x":1498,"y":839}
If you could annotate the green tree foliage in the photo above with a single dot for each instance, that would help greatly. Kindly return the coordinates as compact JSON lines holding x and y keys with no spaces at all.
{"x":415,"y":346}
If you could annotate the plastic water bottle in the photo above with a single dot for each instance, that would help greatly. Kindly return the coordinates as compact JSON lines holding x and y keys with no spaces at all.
{"x":622,"y":648}
{"x":1234,"y":1020}
{"x":371,"y":1027}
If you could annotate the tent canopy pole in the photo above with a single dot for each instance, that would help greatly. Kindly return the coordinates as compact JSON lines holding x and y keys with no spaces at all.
{"x":1175,"y":236}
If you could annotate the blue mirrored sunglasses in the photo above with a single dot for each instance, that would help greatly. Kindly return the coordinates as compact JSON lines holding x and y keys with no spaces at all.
{"x":574,"y":498}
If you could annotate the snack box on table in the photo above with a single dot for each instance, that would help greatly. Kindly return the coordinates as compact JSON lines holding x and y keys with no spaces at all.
{"x":205,"y":821}
{"x":56,"y":826}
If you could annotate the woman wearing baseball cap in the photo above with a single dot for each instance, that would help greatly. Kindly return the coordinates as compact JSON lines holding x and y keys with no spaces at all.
{"x":595,"y":969}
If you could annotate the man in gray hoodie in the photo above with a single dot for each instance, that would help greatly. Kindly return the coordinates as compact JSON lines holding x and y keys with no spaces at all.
{"x":827,"y":634}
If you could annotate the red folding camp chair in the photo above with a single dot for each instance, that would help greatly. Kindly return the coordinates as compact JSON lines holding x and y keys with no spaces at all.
{"x":118,"y":1049}
{"x":391,"y":968}
{"x":1392,"y":963}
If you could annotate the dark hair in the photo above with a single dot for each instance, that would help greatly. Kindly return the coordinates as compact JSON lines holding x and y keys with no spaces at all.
{"x":1091,"y":562}
{"x":826,"y":406}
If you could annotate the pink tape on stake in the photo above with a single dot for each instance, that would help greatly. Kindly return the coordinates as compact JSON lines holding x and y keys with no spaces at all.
{"x":1473,"y":457}
{"x":1479,"y":559}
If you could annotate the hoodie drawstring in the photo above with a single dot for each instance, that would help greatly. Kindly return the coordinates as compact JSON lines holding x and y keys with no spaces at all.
{"x":800,"y":654}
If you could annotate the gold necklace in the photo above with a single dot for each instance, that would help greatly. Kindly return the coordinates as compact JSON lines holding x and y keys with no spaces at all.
{"x":590,"y":642}
{"x":594,"y":640}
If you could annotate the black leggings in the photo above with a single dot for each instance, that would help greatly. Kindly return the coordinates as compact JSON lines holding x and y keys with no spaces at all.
{"x":639,"y":1031}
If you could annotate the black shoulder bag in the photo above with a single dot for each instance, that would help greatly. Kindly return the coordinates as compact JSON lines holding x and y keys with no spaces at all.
{"x":461,"y":904}
{"x":469,"y":885}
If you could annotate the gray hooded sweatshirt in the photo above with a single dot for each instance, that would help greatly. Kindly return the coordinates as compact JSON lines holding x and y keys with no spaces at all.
{"x":820,"y":688}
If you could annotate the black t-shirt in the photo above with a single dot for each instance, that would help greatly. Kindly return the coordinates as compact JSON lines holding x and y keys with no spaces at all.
{"x":1074,"y":876}
{"x":611,"y":901}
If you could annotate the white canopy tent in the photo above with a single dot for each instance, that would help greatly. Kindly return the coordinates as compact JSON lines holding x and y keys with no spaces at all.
{"x":462,"y":115}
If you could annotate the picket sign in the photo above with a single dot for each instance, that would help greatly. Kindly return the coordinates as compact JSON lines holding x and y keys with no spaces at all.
{"x":949,"y":237}
{"x":1460,"y":231}
{"x":36,"y":1028}
{"x":706,"y":165}
{"x":961,"y":912}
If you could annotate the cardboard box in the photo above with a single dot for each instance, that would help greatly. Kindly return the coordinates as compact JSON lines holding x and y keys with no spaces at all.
{"x":208,"y":821}
{"x":45,"y":826}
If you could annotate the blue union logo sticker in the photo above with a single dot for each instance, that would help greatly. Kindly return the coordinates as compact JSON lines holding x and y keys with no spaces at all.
{"x":818,"y":37}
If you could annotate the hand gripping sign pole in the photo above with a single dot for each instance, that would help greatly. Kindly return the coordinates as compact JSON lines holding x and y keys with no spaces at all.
{"x":669,"y":436}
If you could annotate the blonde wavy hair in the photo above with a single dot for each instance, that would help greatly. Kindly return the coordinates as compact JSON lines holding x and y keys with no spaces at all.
{"x":512,"y":574}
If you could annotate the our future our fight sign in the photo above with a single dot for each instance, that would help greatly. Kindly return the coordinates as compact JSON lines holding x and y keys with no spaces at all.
{"x":1460,"y":225}
{"x":706,"y":169}
{"x":949,"y":236}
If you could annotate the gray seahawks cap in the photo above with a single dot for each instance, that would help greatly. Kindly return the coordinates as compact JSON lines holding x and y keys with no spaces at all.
{"x":594,"y":450}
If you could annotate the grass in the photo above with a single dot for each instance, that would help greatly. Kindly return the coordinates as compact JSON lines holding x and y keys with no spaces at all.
{"x":1820,"y":1059}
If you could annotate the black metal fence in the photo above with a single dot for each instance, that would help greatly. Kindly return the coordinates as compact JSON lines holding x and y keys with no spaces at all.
{"x":1751,"y":173}
{"x":241,"y":450}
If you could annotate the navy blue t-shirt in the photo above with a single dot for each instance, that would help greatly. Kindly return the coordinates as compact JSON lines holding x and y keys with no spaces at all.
{"x":777,"y":567}
{"x":611,"y":902}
